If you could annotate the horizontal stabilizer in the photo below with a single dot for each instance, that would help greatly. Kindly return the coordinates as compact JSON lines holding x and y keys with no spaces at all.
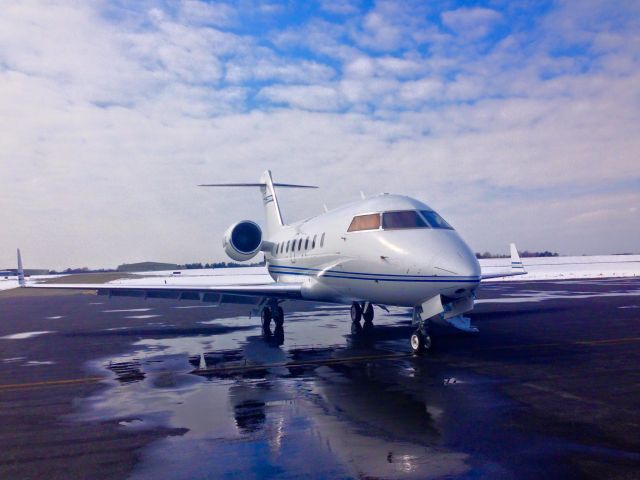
{"x":285,"y":185}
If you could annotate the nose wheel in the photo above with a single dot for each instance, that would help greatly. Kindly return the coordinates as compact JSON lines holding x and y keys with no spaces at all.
{"x":420,"y":340}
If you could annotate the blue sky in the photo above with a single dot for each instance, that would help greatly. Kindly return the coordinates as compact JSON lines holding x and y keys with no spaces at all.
{"x":518,"y":121}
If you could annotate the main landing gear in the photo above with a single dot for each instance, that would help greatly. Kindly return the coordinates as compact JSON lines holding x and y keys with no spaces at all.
{"x":273,"y":312}
{"x":420,"y":339}
{"x":364,"y":311}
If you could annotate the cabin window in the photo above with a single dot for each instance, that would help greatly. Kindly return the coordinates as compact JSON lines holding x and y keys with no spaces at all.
{"x":322,"y":241}
{"x":435,"y":220}
{"x":299,"y":244}
{"x":405,"y":219}
{"x":306,"y":244}
{"x":288,"y":246}
{"x":313,"y":242}
{"x":365,"y":222}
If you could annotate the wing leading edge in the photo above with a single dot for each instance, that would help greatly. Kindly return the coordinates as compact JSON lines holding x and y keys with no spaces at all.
{"x":203,"y":293}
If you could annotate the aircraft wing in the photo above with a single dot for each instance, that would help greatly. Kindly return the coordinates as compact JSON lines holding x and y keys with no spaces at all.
{"x":517,"y":268}
{"x":243,"y":294}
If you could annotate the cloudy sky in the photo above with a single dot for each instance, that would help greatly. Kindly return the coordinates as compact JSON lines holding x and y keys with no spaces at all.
{"x":516,"y":120}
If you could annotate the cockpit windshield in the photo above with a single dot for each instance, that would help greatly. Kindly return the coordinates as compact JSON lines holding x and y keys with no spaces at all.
{"x":399,"y":220}
{"x":406,"y":219}
{"x":435,"y":220}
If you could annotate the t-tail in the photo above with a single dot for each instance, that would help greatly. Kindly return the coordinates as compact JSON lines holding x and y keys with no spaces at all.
{"x":273,"y":215}
{"x":20,"y":271}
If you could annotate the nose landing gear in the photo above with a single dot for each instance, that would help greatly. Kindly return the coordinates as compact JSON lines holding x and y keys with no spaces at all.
{"x":420,"y":340}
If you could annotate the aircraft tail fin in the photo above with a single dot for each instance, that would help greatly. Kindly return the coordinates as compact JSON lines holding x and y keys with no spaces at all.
{"x":21,"y":281}
{"x":516,"y":263}
{"x":273,"y":216}
{"x":267,"y":186}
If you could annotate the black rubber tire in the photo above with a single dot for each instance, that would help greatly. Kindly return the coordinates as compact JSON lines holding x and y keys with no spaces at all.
{"x":419,"y":342}
{"x":278,"y":316}
{"x":367,"y":314}
{"x":356,"y":312}
{"x":356,"y":328}
{"x":265,"y":317}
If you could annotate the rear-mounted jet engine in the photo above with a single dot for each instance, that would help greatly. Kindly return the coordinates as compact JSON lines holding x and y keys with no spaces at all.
{"x":242,"y":241}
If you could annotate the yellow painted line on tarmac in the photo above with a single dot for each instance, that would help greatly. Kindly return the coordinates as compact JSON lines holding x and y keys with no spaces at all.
{"x":612,"y":341}
{"x":315,"y":362}
{"x":50,"y":383}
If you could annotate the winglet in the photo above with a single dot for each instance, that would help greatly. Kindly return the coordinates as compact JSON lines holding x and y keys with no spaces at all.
{"x":516,"y":263}
{"x":20,"y":271}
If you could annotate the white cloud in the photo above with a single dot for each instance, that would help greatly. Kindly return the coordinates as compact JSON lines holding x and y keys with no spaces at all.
{"x":471,"y":22}
{"x":205,"y":13}
{"x":308,"y":97}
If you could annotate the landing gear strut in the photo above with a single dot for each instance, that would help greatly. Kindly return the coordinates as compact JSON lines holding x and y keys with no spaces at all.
{"x":420,"y":339}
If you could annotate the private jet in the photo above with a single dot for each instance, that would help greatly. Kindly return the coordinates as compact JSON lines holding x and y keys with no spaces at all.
{"x":386,"y":250}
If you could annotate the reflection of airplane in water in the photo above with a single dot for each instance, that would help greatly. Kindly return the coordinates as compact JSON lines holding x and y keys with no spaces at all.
{"x":379,"y":420}
{"x":383,"y":250}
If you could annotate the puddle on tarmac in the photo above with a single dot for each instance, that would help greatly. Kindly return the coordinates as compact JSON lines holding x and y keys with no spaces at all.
{"x":373,"y":419}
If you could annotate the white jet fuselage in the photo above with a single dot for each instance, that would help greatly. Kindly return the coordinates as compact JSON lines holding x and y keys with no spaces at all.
{"x":386,"y":266}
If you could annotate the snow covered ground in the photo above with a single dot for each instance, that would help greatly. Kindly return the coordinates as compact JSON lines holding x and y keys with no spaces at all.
{"x":12,"y":282}
{"x":538,"y":268}
{"x":204,"y":276}
{"x":555,"y":268}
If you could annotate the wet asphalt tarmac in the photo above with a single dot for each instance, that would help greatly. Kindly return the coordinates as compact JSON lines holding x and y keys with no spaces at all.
{"x":127,"y":388}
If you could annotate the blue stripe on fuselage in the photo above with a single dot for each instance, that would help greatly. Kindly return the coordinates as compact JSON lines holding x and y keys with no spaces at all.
{"x":370,"y":276}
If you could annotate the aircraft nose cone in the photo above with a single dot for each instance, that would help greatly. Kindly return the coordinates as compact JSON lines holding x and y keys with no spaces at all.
{"x":459,"y":262}
{"x":458,"y":265}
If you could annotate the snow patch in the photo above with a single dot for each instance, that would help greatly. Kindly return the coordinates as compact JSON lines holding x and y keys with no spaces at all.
{"x":127,"y":310}
{"x":24,"y":335}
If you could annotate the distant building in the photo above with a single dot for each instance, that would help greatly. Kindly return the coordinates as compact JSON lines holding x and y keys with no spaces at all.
{"x":146,"y":267}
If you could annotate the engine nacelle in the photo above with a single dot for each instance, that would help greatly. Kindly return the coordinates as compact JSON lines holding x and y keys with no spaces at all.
{"x":242,"y":241}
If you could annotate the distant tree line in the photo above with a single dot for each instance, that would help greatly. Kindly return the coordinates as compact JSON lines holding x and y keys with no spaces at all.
{"x":525,"y":254}
{"x":193,"y":266}
{"x":186,"y":266}
{"x":81,"y":270}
